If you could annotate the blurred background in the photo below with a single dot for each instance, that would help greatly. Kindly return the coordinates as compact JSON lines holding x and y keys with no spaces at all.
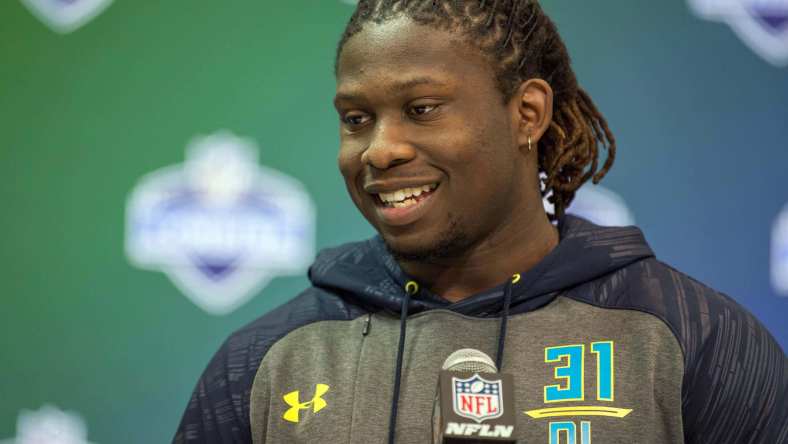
{"x":143,"y":145}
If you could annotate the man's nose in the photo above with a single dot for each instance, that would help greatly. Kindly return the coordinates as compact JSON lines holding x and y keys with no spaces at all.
{"x":388,"y":147}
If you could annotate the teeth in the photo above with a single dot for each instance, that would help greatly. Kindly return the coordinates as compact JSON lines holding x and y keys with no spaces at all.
{"x":404,"y":204}
{"x":403,"y":198}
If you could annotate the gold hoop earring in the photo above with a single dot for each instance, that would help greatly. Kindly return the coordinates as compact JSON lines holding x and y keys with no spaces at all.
{"x":529,"y":144}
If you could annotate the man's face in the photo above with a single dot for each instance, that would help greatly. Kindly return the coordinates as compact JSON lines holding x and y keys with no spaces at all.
{"x":428,"y":146}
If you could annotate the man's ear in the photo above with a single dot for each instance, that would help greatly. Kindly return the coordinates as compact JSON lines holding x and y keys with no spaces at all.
{"x":532,"y":106}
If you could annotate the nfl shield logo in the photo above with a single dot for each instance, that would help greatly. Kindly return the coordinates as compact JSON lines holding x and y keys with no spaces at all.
{"x":477,"y":398}
{"x":761,"y":24}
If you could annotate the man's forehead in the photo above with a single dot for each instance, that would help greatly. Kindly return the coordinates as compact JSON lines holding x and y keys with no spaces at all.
{"x":352,"y":88}
{"x":431,"y":65}
{"x":400,"y":43}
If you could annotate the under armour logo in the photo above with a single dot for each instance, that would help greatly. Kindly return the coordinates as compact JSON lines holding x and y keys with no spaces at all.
{"x":317,"y":403}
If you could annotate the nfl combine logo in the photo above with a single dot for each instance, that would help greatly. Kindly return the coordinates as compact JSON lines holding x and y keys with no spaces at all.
{"x":477,"y":398}
{"x":761,"y":24}
{"x":220,"y":225}
{"x":65,"y":16}
{"x":780,"y":253}
{"x":49,"y":425}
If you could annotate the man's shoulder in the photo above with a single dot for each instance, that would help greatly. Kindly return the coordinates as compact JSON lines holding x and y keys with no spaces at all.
{"x":224,"y":389}
{"x":310,"y":306}
{"x":678,"y":295}
{"x":327,"y":299}
{"x":730,"y":358}
{"x":694,"y":311}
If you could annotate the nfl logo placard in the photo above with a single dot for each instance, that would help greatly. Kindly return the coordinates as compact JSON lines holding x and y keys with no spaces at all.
{"x":474,"y":407}
{"x":477,"y":398}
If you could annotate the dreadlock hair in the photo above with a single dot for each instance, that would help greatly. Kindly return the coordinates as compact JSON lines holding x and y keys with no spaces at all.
{"x":522,"y":43}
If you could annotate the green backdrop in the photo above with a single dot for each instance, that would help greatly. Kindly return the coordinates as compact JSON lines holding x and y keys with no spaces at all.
{"x":84,"y":115}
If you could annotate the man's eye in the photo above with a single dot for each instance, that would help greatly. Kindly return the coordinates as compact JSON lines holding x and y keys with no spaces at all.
{"x":356,"y":119}
{"x":420,"y":110}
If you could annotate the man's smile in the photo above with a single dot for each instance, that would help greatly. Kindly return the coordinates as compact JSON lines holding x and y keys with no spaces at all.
{"x":403,"y":206}
{"x":406,"y":197}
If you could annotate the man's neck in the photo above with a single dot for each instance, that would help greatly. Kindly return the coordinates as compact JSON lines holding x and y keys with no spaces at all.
{"x":488,"y":264}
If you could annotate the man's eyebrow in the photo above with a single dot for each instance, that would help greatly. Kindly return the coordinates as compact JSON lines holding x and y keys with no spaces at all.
{"x":416,"y":81}
{"x":396,"y":86}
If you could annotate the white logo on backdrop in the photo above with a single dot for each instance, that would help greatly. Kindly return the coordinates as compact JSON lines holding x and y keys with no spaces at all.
{"x":599,"y":205}
{"x":65,"y":16}
{"x":49,"y":425}
{"x":761,"y":24}
{"x":780,"y":253}
{"x":220,"y":225}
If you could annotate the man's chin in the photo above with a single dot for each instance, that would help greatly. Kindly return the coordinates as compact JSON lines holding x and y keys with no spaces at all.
{"x":452,"y":243}
{"x":404,"y":254}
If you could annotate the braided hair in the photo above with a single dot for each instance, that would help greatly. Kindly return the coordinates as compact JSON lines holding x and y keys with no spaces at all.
{"x":522,"y":43}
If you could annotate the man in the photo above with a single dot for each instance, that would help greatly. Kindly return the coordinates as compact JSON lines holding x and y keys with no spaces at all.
{"x":450,"y":112}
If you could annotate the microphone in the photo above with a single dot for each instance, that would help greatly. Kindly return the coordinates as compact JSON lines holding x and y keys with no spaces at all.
{"x":475,"y":403}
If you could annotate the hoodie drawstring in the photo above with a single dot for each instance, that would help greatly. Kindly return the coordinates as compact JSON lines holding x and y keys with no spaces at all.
{"x":507,"y":302}
{"x":411,"y":288}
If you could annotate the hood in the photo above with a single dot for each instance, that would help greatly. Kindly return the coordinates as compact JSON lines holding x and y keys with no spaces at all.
{"x":366,"y":274}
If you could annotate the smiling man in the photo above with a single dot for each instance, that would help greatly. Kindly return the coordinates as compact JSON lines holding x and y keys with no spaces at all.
{"x":456,"y":118}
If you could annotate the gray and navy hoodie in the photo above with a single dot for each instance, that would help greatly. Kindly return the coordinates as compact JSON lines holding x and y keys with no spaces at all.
{"x":604,"y":341}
